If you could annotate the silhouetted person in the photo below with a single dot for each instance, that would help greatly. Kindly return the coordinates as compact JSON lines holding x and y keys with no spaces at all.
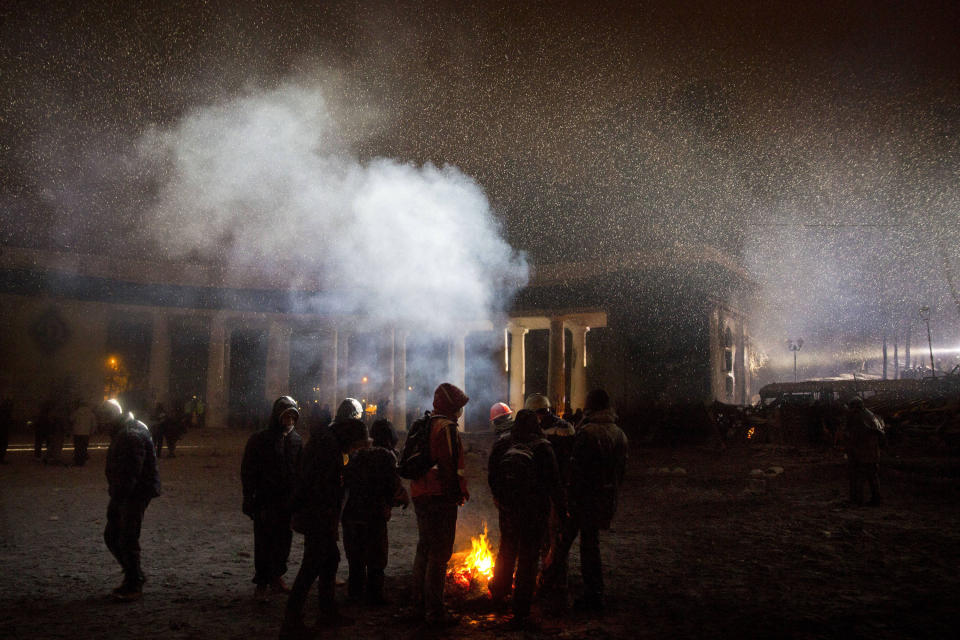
{"x":597,"y":468}
{"x":862,"y":439}
{"x":373,"y":489}
{"x":317,"y":501}
{"x":268,"y":473}
{"x":82,"y":422}
{"x":134,"y":480}
{"x":525,"y":481}
{"x":436,"y":497}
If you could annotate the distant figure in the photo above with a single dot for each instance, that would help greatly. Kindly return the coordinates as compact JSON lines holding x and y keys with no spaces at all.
{"x":134,"y":480}
{"x":317,"y":502}
{"x":82,"y":422}
{"x":501,"y":418}
{"x":173,"y":432}
{"x":59,"y":423}
{"x":436,"y":497}
{"x":863,"y":437}
{"x":158,"y":425}
{"x":597,"y":468}
{"x":525,"y":482}
{"x":325,"y":417}
{"x":6,"y":423}
{"x":268,"y":473}
{"x":373,"y":489}
{"x":42,"y":427}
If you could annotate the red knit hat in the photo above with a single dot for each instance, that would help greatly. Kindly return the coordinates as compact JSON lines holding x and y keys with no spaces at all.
{"x":448,"y":399}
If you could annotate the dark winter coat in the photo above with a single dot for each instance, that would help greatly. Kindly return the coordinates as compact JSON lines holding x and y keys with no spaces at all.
{"x":269,"y":468}
{"x":597,"y":467}
{"x":547,"y":484}
{"x":863,"y":436}
{"x":372,"y":485}
{"x":132,"y":471}
{"x":318,"y":496}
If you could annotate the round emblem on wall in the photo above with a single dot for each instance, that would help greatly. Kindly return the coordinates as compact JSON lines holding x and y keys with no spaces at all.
{"x":49,"y":331}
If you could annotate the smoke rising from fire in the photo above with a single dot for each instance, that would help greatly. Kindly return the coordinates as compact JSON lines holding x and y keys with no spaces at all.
{"x":266,"y":181}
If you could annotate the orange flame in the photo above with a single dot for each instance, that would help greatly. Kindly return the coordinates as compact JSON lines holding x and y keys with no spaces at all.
{"x":750,"y":432}
{"x":475,"y":565}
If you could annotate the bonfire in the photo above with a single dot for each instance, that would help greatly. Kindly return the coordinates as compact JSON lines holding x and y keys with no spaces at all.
{"x":472,"y":570}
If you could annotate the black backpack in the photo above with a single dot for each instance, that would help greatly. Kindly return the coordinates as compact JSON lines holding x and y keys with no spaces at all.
{"x":517,"y":476}
{"x":415,"y":459}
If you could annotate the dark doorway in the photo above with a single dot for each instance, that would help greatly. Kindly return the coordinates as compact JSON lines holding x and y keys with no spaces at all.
{"x":486,"y":379}
{"x":306,"y":368}
{"x":189,"y":353}
{"x":128,"y":346}
{"x":537,"y":357}
{"x":248,"y":407}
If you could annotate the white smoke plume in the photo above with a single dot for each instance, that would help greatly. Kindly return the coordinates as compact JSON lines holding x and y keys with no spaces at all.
{"x":266,"y":180}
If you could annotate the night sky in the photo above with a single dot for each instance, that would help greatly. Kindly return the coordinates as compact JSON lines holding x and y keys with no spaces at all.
{"x":820,"y":143}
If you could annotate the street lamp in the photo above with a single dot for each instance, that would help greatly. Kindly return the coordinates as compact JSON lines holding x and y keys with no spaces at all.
{"x":795,"y":345}
{"x":925,"y":316}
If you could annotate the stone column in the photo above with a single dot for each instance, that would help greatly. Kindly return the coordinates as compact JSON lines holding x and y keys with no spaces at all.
{"x":217,"y":374}
{"x":277,"y":374}
{"x":578,"y":369}
{"x":740,"y":365}
{"x":716,"y":355}
{"x":330,"y":386}
{"x":458,"y":365}
{"x":518,"y":366}
{"x":556,"y":367}
{"x":400,"y":379}
{"x":159,"y":374}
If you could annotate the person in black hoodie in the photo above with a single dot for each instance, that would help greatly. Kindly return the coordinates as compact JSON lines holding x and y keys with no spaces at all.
{"x":317,"y":500}
{"x":267,"y":473}
{"x":134,"y":480}
{"x":525,"y":482}
{"x":373,"y":489}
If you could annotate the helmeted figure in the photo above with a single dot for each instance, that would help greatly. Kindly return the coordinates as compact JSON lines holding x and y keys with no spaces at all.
{"x":501,"y":418}
{"x":524,"y":499}
{"x":597,"y":468}
{"x":317,"y":501}
{"x":863,"y":437}
{"x":373,"y":489}
{"x":559,"y":434}
{"x":134,"y":480}
{"x":436,"y":497}
{"x":268,"y":473}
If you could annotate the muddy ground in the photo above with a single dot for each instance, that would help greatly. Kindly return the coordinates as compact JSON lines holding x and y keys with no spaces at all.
{"x":700,"y":548}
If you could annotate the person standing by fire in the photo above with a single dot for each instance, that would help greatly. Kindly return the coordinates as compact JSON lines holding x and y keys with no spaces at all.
{"x":373,"y":489}
{"x":316,"y":505}
{"x":525,"y":482}
{"x":597,"y":467}
{"x":267,"y":473}
{"x":436,"y":497}
{"x":134,"y":480}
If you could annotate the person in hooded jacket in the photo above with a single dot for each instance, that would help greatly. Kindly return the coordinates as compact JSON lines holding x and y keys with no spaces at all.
{"x":267,"y":473}
{"x":597,"y":467}
{"x":523,"y":510}
{"x":133,"y":479}
{"x":373,"y":489}
{"x":316,"y":505}
{"x":436,"y":497}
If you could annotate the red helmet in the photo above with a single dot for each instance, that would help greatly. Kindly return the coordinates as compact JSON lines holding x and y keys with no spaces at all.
{"x":499,"y":409}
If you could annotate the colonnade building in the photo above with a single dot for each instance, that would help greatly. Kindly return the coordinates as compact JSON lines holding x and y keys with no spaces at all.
{"x":650,"y":328}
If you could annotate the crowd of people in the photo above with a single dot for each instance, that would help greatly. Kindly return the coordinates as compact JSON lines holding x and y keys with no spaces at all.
{"x":552,"y":482}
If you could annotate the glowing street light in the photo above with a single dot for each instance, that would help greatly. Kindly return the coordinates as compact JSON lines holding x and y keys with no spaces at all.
{"x":795,"y":345}
{"x":925,"y":316}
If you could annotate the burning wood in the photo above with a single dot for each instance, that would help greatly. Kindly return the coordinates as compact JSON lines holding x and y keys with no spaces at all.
{"x":472,"y":569}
